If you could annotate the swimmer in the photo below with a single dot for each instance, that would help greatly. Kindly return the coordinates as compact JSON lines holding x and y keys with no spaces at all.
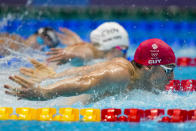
{"x":152,"y":68}
{"x":109,"y":40}
{"x":43,"y":39}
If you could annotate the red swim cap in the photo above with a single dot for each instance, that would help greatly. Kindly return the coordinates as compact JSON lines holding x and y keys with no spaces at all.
{"x":154,"y":52}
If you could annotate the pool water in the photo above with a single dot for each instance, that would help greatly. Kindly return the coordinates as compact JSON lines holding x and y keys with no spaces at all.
{"x":135,"y":99}
{"x":102,"y":126}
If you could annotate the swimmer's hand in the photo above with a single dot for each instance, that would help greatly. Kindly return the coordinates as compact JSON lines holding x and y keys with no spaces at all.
{"x":39,"y":73}
{"x":59,"y":55}
{"x":68,"y":37}
{"x":28,"y":89}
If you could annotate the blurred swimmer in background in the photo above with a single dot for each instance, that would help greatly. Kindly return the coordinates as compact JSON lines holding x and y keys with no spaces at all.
{"x":43,"y":39}
{"x":109,"y":40}
{"x":151,"y":69}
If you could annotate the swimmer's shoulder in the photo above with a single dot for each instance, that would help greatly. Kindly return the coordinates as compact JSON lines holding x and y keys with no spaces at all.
{"x":81,"y":45}
{"x":125,"y":64}
{"x":91,"y":48}
{"x":89,"y":45}
{"x":121,"y":60}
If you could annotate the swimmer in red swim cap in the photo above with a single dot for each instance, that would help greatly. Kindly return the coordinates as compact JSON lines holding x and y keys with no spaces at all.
{"x":152,"y":68}
{"x":156,"y":60}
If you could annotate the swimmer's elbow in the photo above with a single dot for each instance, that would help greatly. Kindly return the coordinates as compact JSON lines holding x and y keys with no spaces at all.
{"x":85,"y":84}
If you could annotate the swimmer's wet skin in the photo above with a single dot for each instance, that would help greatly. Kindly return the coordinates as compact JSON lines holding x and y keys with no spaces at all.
{"x":108,"y":40}
{"x":152,"y":68}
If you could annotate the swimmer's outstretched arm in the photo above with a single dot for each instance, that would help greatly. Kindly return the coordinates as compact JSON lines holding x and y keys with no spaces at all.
{"x":68,"y":37}
{"x":42,"y":71}
{"x":68,"y":87}
{"x":83,"y":51}
{"x":78,"y":71}
{"x":36,"y":93}
{"x":76,"y":85}
{"x":60,"y":55}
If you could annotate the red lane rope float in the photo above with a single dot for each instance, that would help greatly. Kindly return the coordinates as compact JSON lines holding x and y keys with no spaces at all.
{"x":97,"y":115}
{"x":184,"y":85}
{"x":192,"y":115}
{"x":176,"y":116}
{"x":137,"y":115}
{"x":152,"y":114}
{"x":134,"y":115}
{"x":188,"y":85}
{"x":173,"y":85}
{"x":186,"y":61}
{"x":110,"y":115}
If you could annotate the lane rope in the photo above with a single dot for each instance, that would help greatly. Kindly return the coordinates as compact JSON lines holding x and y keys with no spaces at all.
{"x":98,"y":115}
{"x":188,"y":85}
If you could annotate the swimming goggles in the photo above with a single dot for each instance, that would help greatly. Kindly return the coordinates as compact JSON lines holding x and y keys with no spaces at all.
{"x":167,"y":70}
{"x":39,"y":40}
{"x":123,"y":51}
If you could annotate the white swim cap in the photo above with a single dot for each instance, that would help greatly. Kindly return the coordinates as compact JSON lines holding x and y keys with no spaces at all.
{"x":109,"y":35}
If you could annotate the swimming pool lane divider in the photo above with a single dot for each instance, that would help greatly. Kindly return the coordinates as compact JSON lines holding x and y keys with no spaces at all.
{"x":183,"y":85}
{"x":186,"y":61}
{"x":98,"y":115}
